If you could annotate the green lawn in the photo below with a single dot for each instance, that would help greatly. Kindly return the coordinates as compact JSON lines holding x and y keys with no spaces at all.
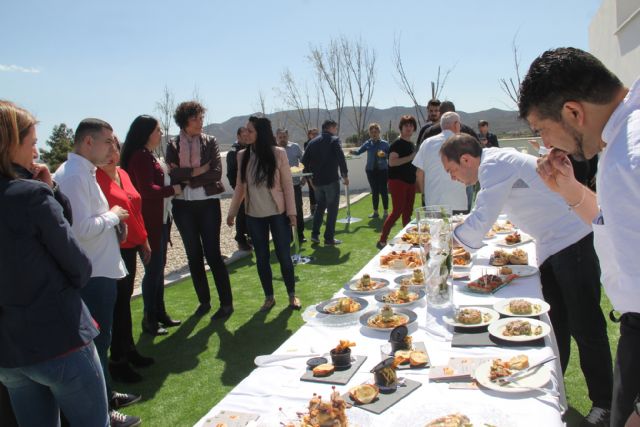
{"x":199,"y":362}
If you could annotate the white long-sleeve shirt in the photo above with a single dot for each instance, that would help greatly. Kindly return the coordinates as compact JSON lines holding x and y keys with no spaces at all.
{"x":509,"y":183}
{"x":93,"y":223}
{"x":617,"y":229}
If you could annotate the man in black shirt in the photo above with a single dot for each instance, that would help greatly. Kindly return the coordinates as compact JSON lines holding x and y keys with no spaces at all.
{"x":323,"y":157}
{"x":433,"y":117}
{"x":311,"y":134}
{"x":486,"y":138}
{"x":434,"y":130}
{"x":232,"y":172}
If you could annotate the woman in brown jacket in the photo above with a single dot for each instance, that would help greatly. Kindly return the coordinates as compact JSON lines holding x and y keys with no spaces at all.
{"x":194,"y":162}
{"x":264,"y":183}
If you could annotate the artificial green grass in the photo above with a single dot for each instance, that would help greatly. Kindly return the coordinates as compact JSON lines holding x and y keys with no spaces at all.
{"x":199,"y":362}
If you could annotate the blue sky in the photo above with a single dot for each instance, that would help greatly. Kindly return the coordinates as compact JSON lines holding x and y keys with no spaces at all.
{"x":66,"y":60}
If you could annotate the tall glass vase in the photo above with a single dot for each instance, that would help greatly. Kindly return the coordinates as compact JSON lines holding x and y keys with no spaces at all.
{"x":436,"y":252}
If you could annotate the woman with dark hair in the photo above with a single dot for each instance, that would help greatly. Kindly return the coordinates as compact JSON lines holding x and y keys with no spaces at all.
{"x":48,"y":361}
{"x":149,"y":176}
{"x":265,"y":185}
{"x":402,"y":177}
{"x":194,"y":162}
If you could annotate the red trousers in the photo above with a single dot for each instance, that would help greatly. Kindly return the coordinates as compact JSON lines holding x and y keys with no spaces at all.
{"x":402,"y":197}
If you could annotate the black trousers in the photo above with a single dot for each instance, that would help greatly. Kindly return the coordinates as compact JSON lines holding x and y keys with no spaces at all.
{"x":121,"y":330}
{"x":312,"y":196}
{"x":199,"y":222}
{"x":378,"y":183}
{"x":297,"y":192}
{"x":241,"y":225}
{"x":626,"y":377}
{"x":571,"y":285}
{"x":7,"y":418}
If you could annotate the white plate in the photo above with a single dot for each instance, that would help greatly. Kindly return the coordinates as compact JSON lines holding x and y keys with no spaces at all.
{"x":418,"y":291}
{"x":497,"y":327}
{"x":351,"y":286}
{"x":524,"y":238}
{"x":410,"y":315}
{"x":522,"y":270}
{"x":502,"y":307}
{"x":537,"y":377}
{"x":484,"y":310}
{"x":398,"y":280}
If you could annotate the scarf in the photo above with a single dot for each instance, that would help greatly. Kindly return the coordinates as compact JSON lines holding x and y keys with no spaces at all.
{"x":189,"y":150}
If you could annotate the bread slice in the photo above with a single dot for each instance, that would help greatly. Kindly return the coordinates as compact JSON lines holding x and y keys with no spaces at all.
{"x":364,"y":393}
{"x":323,"y":370}
{"x":402,"y":356}
{"x":519,"y":362}
{"x":418,"y":358}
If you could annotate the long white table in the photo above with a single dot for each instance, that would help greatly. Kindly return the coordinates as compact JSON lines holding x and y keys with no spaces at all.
{"x":278,"y":385}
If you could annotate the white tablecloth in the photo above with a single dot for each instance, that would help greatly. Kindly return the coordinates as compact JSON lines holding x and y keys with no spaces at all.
{"x":278,"y":385}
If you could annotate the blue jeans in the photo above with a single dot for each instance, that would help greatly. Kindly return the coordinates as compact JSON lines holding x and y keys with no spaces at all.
{"x":153,"y":280}
{"x":100,"y":298}
{"x":327,"y":198}
{"x":73,"y":383}
{"x":281,"y":233}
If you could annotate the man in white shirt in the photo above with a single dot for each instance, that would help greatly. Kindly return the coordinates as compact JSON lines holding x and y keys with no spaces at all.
{"x":432,"y":180}
{"x":294,"y":155}
{"x":569,"y":268}
{"x":581,"y":108}
{"x":94,"y":227}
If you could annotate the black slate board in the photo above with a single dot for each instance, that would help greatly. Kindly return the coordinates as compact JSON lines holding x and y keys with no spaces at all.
{"x":338,"y":377}
{"x":386,"y":401}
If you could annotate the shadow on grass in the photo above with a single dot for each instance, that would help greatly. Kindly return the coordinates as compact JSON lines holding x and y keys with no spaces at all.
{"x":238,"y":349}
{"x":572,"y":417}
{"x":328,"y":255}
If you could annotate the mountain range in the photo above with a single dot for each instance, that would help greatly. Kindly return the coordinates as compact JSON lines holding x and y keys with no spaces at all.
{"x":503,"y":123}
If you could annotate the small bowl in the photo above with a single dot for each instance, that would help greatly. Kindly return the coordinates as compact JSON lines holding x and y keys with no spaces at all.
{"x":380,"y":381}
{"x":398,"y":345}
{"x":316,"y":361}
{"x":341,"y":360}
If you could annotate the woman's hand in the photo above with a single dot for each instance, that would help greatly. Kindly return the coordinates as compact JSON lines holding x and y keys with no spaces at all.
{"x":41,"y":173}
{"x":292,"y":220}
{"x":177,"y":189}
{"x":200,"y":170}
{"x":145,"y":251}
{"x":230,"y":220}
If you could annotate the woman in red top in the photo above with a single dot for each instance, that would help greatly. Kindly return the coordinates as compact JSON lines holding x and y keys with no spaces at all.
{"x":118,"y":189}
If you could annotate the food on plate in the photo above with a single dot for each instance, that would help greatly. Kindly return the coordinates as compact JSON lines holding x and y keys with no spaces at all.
{"x":400,"y":339}
{"x":521,"y":306}
{"x":343,"y":306}
{"x":413,"y":238}
{"x":324,"y":370}
{"x":365,"y":283}
{"x":417,"y":279}
{"x":387,"y":318}
{"x":490,"y":234}
{"x":513,"y":238}
{"x":452,"y":420}
{"x":489,"y":283}
{"x":506,"y":227}
{"x":501,"y":257}
{"x":505,"y":271}
{"x":364,"y":393}
{"x":418,"y":358}
{"x":344,"y":346}
{"x":325,"y":414}
{"x":401,"y":259}
{"x":500,"y":368}
{"x":518,"y":328}
{"x":402,"y":357}
{"x":472,"y":316}
{"x":384,"y":375}
{"x":402,"y":295}
{"x":461,"y":257}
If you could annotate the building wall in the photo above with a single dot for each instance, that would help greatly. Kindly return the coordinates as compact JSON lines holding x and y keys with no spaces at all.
{"x":614,"y":37}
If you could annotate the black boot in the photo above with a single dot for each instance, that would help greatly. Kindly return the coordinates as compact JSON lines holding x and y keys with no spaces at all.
{"x":150,"y":326}
{"x":164,"y":318}
{"x":138,"y":360}
{"x":122,"y":372}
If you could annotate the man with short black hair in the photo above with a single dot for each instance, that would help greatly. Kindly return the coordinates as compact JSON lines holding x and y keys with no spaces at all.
{"x":294,"y":155}
{"x":445,"y":107}
{"x":433,"y":117}
{"x":232,"y":173}
{"x":323,"y":157}
{"x":94,"y":225}
{"x":568,"y":264}
{"x":311,"y":134}
{"x":581,"y":108}
{"x":486,"y":138}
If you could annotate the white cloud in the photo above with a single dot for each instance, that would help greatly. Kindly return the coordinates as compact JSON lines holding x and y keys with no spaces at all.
{"x":18,"y":68}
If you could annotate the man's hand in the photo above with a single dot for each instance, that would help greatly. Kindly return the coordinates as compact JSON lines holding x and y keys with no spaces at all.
{"x":556,"y":172}
{"x":345,"y":180}
{"x":230,"y":220}
{"x":292,"y":220}
{"x":145,"y":251}
{"x":41,"y":173}
{"x":121,"y":213}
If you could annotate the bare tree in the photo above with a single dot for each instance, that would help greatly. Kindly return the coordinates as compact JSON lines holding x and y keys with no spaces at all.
{"x":438,"y":86}
{"x":510,"y":87}
{"x":165,"y":108}
{"x":330,"y":68}
{"x":297,"y":98}
{"x":360,"y":64}
{"x":262,"y":103}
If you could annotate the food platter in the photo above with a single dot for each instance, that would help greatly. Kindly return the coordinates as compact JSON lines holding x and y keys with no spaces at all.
{"x":497,"y":329}
{"x":352,"y":286}
{"x":538,"y":307}
{"x":407,"y":315}
{"x":327,"y":307}
{"x":524,"y":238}
{"x":488,"y":316}
{"x":419,"y":294}
{"x":537,"y":377}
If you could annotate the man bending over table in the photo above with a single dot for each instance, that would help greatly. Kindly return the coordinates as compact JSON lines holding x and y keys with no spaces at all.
{"x":569,"y":266}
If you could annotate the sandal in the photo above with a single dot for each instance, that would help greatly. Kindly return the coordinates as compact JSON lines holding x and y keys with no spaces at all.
{"x":294,"y":303}
{"x":268,"y":304}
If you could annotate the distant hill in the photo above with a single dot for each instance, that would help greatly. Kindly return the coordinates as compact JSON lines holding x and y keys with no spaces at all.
{"x":501,"y":122}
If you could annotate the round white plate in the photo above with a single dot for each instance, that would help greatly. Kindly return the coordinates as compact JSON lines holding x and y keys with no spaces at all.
{"x":537,"y":377}
{"x":497,"y":327}
{"x":398,"y":280}
{"x":404,"y":311}
{"x":484,"y":310}
{"x":351,"y":286}
{"x":524,"y":238}
{"x":418,"y":291}
{"x":523,"y":270}
{"x":502,"y":307}
{"x":322,"y":306}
